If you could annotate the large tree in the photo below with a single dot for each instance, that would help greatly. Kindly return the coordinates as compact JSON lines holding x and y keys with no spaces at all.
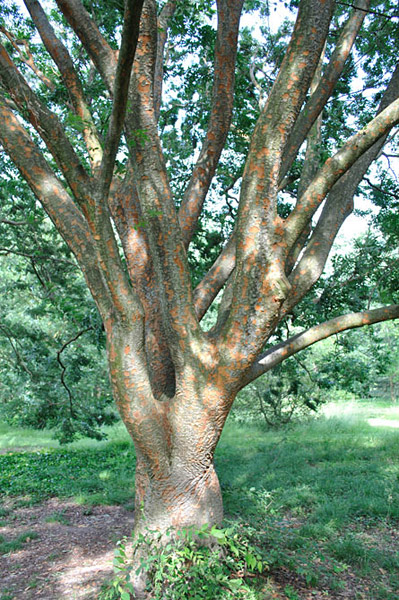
{"x":106,"y":185}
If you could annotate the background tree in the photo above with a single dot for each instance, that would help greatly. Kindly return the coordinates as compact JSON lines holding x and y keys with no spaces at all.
{"x":128,"y":215}
{"x":52,"y":358}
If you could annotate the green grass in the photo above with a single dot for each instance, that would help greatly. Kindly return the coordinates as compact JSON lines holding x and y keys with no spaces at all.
{"x":8,"y":546}
{"x":58,"y":517}
{"x":70,"y":473}
{"x":323,"y":496}
{"x":17,"y":437}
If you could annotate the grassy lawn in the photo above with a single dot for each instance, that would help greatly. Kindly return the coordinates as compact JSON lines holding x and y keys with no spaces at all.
{"x":322,"y":497}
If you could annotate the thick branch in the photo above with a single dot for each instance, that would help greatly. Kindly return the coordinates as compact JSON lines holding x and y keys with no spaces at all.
{"x":319,"y":97}
{"x":335,"y":167}
{"x":62,"y":59}
{"x":167,"y":13}
{"x":311,"y":162}
{"x":130,"y":224}
{"x":338,"y":206}
{"x":310,"y":167}
{"x":271,"y":358}
{"x":260,"y":244}
{"x":156,"y":202}
{"x":96,"y":46}
{"x":130,"y":34}
{"x":207,"y":290}
{"x":229,"y":12}
{"x":47,"y":125}
{"x":57,"y":203}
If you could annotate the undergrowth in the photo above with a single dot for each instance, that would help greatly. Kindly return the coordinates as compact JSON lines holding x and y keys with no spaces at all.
{"x":210,"y":563}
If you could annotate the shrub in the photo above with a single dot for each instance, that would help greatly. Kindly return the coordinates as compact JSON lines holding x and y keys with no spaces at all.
{"x":195,"y":564}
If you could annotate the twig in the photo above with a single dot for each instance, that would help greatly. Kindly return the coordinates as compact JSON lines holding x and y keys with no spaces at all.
{"x":380,"y":189}
{"x":369,"y":10}
{"x":20,"y":360}
{"x":63,"y":367}
{"x":6,"y":251}
{"x":28,"y":59}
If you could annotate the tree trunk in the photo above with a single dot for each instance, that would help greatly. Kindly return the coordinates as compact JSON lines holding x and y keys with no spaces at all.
{"x":175,"y":438}
{"x":167,"y":500}
{"x":188,"y":495}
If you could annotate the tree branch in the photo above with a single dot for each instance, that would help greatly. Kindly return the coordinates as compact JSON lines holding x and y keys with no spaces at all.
{"x":165,"y":16}
{"x":130,"y":34}
{"x":126,"y":214}
{"x":28,"y":59}
{"x":335,"y":167}
{"x":271,"y":358}
{"x":14,"y":223}
{"x":229,"y":12}
{"x":338,"y":206}
{"x":48,"y":127}
{"x":50,"y":192}
{"x":318,"y":99}
{"x":211,"y":284}
{"x":370,"y":11}
{"x":156,"y":201}
{"x":63,"y":367}
{"x":20,"y":359}
{"x":6,"y":251}
{"x":260,"y":242}
{"x":62,"y":59}
{"x":100,"y":52}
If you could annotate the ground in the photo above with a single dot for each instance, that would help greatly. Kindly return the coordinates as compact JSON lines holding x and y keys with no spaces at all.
{"x":320,"y":500}
{"x":71,"y":555}
{"x":70,"y":550}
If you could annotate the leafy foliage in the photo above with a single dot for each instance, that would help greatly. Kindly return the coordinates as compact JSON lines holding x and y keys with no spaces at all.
{"x":49,"y":379}
{"x":192,"y":564}
{"x":291,"y":391}
{"x":103,"y":475}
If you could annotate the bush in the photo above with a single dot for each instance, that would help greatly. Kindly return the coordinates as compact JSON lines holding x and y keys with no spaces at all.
{"x":290,"y":391}
{"x":195,"y":564}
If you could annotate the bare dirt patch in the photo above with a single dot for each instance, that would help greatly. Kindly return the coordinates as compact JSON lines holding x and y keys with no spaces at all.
{"x":71,"y":556}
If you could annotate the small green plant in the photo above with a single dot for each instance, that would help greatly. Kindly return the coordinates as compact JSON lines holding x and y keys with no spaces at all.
{"x":290,"y":593}
{"x":58,"y":517}
{"x":16,"y":544}
{"x":195,"y":564}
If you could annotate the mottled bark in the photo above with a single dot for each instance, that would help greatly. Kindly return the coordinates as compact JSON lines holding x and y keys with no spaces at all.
{"x":229,"y":12}
{"x":63,"y":60}
{"x":325,"y":86}
{"x":96,"y":46}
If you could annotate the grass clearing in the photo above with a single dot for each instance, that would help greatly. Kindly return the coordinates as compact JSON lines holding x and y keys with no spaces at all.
{"x":322,"y":497}
{"x":18,"y":437}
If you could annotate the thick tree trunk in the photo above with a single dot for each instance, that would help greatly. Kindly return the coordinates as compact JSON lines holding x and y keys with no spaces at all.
{"x":188,"y":495}
{"x":175,"y":438}
{"x":183,"y":495}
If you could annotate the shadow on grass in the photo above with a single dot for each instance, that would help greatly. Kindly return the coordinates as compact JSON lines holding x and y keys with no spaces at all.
{"x":328,"y":469}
